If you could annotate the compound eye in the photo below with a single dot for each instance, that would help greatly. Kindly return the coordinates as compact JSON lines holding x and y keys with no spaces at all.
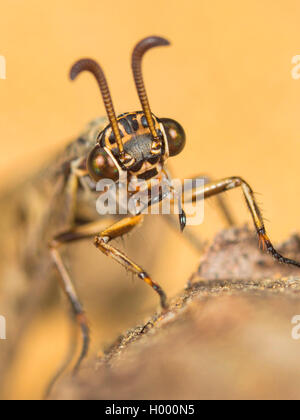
{"x":101,"y":166}
{"x":175,"y":135}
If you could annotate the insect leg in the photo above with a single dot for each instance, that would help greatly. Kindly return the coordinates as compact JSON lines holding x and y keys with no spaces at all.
{"x":222,"y":204}
{"x":77,"y":308}
{"x":90,"y":230}
{"x":75,"y":234}
{"x":118,"y":229}
{"x":67,"y":361}
{"x":215,"y":188}
{"x":194,"y":240}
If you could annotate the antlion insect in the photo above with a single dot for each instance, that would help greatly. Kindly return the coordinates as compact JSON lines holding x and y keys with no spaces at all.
{"x":137,"y":144}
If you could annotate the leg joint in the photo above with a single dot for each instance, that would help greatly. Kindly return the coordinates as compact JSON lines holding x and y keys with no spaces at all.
{"x":53,"y":244}
{"x":101,"y":240}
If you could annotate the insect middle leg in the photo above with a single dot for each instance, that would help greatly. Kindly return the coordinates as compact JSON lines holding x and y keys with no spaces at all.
{"x":215,"y":188}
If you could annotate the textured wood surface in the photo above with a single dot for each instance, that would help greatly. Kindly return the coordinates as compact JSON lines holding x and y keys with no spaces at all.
{"x":228,"y":335}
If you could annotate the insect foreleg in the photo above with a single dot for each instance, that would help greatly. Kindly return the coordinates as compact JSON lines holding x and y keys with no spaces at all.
{"x":118,"y":229}
{"x":221,"y":202}
{"x":215,"y":188}
{"x":103,"y":236}
{"x":192,"y":238}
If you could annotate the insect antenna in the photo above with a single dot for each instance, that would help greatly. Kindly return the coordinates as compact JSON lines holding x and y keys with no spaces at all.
{"x":136,"y":64}
{"x":93,"y":67}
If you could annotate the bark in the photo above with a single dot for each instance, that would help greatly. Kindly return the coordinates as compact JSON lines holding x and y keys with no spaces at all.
{"x":228,"y":335}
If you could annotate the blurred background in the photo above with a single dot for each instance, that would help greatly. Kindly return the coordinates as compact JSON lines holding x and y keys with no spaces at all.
{"x":227,"y":77}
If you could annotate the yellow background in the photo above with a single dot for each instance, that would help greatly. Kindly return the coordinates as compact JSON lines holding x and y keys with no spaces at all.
{"x":226,"y":78}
